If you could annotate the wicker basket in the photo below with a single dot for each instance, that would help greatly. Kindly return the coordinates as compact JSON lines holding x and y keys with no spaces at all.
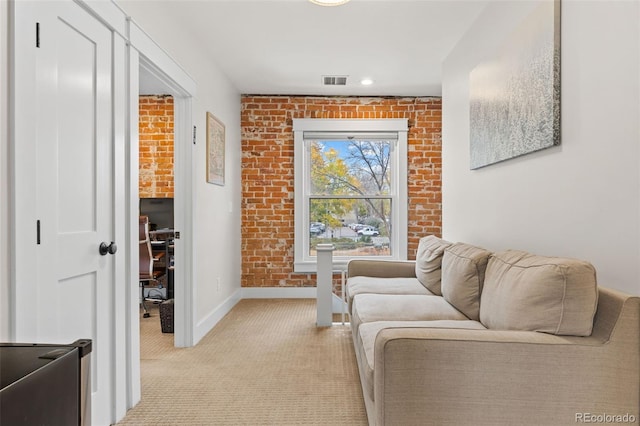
{"x":166,"y":316}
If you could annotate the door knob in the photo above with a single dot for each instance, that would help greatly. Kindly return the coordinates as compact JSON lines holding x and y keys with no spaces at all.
{"x":108,"y":248}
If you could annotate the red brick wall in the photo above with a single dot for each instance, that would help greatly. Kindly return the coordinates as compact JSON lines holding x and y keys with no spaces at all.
{"x":268,"y":175}
{"x":156,"y":146}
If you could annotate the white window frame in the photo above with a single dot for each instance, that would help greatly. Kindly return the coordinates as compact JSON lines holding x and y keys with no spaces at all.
{"x":305,"y":263}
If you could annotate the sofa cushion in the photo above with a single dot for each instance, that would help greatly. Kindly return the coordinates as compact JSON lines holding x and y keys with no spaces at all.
{"x":366,"y":339}
{"x":463,"y":269}
{"x":375,"y":285}
{"x":429,"y":261}
{"x":535,"y":293}
{"x":395,"y":307}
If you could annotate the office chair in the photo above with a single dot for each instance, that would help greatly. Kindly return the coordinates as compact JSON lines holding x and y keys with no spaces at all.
{"x":147,"y":272}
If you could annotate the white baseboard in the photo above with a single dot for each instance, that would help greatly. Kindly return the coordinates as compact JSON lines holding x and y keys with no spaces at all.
{"x":279,"y":292}
{"x":288,"y":293}
{"x":204,"y":326}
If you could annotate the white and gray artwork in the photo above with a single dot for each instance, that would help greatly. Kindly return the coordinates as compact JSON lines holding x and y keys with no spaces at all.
{"x":515,"y":96}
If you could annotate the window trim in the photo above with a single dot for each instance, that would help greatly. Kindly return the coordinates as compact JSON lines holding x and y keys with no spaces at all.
{"x":303,"y":263}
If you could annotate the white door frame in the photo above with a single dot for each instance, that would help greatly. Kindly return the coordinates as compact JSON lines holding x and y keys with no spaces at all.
{"x":144,"y":52}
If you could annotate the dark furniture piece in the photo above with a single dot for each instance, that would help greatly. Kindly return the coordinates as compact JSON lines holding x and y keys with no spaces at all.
{"x":45,"y":384}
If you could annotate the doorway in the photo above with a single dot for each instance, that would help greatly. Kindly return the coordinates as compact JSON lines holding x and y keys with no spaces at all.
{"x":157,"y":227}
{"x":160,"y":197}
{"x":152,"y":71}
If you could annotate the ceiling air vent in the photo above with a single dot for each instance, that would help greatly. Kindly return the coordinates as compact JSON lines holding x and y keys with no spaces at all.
{"x":334,"y":80}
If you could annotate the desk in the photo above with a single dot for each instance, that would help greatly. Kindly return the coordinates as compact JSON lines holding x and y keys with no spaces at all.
{"x":162,"y":242}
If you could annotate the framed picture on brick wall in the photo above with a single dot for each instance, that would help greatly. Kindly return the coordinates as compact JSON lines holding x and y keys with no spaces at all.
{"x":215,"y":150}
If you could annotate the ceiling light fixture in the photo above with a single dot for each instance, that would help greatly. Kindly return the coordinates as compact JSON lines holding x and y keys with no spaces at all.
{"x":366,"y":82}
{"x":328,"y":2}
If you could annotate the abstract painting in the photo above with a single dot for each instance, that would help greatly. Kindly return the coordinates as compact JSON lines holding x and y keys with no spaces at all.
{"x":515,"y":95}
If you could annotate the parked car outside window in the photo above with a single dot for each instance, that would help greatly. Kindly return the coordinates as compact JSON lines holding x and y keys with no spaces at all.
{"x":369,"y":231}
{"x":316,"y":228}
{"x":318,"y":225}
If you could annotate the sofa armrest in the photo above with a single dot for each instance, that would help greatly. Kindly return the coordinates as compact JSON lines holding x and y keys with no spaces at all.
{"x":382,"y":268}
{"x":487,"y":377}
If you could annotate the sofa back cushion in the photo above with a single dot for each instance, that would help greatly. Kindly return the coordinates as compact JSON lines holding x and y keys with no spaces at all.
{"x":429,"y":262}
{"x":463,"y":271}
{"x":535,"y":293}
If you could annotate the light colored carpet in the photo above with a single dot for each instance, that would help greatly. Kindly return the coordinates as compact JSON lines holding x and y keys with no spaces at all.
{"x":265,"y":363}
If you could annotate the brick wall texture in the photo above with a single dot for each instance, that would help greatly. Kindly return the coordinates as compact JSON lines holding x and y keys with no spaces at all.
{"x":268,"y":175}
{"x":156,"y":146}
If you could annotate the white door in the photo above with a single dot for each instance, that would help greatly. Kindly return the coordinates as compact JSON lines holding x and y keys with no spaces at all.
{"x":73,"y":296}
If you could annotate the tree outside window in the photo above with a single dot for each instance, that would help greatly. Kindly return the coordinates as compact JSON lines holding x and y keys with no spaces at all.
{"x":350,"y":196}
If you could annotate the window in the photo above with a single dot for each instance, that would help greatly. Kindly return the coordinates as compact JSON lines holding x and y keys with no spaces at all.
{"x":350,"y":189}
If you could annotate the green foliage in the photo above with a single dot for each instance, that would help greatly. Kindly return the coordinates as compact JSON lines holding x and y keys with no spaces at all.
{"x":329,"y":176}
{"x":361,"y":211}
{"x":373,"y":221}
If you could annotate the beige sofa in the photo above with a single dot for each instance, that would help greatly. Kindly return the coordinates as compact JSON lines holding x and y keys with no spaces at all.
{"x":463,"y":336}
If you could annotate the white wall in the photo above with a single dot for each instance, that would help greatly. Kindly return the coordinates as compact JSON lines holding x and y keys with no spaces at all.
{"x":581,"y":199}
{"x":217,"y":208}
{"x":4,"y":175}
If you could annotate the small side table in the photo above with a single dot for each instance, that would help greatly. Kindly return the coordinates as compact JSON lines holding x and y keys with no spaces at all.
{"x":324,"y":290}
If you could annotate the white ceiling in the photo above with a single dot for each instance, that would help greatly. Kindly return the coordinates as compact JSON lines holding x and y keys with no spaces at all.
{"x":286,"y":46}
